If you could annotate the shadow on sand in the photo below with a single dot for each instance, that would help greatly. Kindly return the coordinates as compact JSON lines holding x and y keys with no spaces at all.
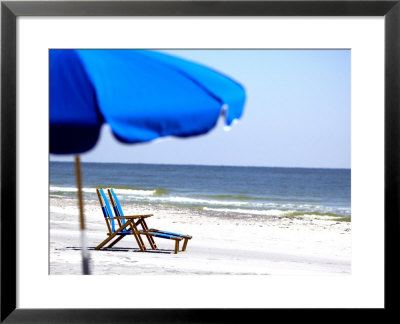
{"x":119,"y":249}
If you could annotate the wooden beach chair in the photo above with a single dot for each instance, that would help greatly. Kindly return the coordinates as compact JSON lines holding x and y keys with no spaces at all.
{"x":120,"y":226}
{"x":157,"y":233}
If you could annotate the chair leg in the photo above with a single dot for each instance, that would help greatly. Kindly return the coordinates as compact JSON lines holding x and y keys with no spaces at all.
{"x":136,"y":234}
{"x":108,"y":239}
{"x":116,"y":241}
{"x":139,"y":241}
{"x":176,"y":246}
{"x":185,"y":244}
{"x":151,"y":242}
{"x":149,"y":237}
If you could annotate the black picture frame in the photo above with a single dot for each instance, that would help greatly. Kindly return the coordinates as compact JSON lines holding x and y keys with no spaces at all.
{"x":10,"y":10}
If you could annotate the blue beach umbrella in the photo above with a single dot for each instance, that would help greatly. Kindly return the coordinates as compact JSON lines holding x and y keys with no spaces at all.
{"x":142,"y":95}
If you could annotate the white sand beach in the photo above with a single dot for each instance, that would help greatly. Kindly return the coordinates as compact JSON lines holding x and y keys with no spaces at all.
{"x":223,"y":243}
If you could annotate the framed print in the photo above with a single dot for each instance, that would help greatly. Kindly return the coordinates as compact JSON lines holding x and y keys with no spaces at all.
{"x":347,"y":102}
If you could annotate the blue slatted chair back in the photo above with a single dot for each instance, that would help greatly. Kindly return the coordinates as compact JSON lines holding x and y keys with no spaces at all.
{"x":116,"y":205}
{"x":105,"y":207}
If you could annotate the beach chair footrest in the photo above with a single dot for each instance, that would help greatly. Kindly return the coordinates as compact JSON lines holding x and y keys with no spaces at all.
{"x":170,"y":233}
{"x":160,"y":235}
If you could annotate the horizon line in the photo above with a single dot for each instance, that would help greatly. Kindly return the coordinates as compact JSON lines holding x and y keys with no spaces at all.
{"x":215,"y":165}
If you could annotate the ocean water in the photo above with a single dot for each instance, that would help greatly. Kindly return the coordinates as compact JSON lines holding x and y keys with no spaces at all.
{"x":262,"y":191}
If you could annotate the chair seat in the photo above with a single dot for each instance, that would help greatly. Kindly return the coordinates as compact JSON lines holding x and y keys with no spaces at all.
{"x":156,"y":234}
{"x":124,"y":232}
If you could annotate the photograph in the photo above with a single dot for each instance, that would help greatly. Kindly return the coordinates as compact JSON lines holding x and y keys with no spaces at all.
{"x":200,"y":162}
{"x":244,"y":154}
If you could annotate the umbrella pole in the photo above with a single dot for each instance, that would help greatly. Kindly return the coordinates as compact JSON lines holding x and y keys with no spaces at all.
{"x":85,"y":253}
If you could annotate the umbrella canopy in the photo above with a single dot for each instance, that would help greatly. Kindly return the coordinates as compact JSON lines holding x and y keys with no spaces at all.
{"x":140,"y":94}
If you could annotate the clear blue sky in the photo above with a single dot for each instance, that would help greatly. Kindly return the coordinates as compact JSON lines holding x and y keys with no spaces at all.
{"x":297,"y":114}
